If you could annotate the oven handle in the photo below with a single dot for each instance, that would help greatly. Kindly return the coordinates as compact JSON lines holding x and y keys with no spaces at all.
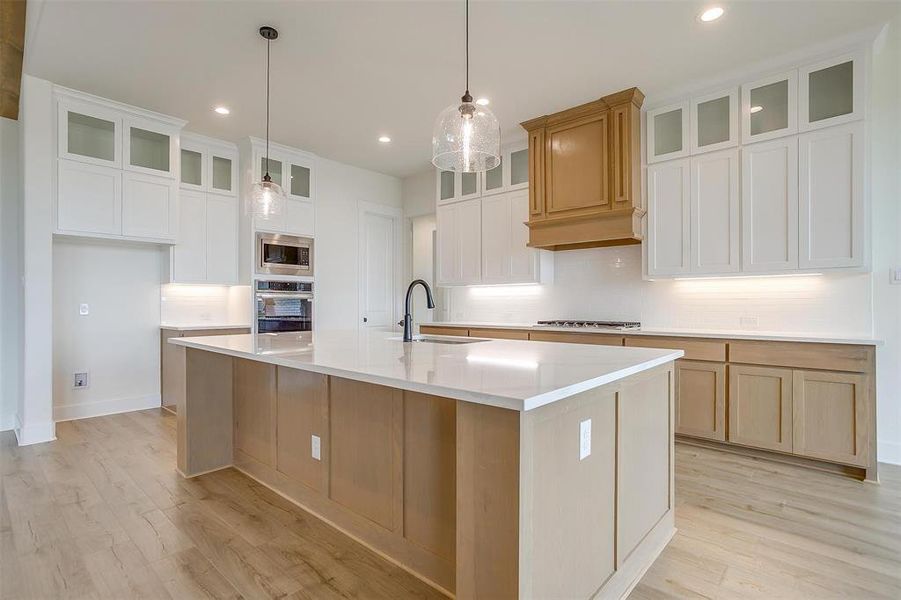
{"x":285,"y":295}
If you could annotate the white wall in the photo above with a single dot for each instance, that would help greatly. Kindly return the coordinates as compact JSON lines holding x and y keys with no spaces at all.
{"x":885,"y":194}
{"x":10,"y":316}
{"x":118,"y":343}
{"x":182,"y":304}
{"x":340,"y":189}
{"x":419,"y":194}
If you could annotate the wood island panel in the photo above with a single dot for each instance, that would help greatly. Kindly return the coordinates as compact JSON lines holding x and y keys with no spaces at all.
{"x":204,"y":440}
{"x":365,"y":462}
{"x":255,"y":409}
{"x":500,"y":334}
{"x":430,"y":490}
{"x":302,"y":413}
{"x":487,"y":502}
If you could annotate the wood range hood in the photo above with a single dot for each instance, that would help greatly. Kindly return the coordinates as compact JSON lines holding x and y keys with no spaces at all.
{"x":584,"y":174}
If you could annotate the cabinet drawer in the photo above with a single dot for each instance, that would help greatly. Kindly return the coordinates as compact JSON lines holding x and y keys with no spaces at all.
{"x":831,"y":357}
{"x":694,"y":349}
{"x":436,"y":330}
{"x":500,"y":334}
{"x":576,"y":338}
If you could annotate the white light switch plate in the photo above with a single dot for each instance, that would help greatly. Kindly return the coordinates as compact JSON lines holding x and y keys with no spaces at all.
{"x":895,"y":276}
{"x":84,"y":309}
{"x":584,"y":439}
{"x":316,"y":447}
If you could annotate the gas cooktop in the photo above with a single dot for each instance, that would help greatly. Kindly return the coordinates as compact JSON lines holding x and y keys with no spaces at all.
{"x":618,"y":325}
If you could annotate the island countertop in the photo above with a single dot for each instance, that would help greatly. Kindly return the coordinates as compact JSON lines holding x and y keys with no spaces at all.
{"x":519,"y":375}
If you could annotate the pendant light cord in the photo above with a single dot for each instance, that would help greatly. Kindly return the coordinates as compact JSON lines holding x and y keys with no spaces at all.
{"x":268,"y":46}
{"x":467,"y":47}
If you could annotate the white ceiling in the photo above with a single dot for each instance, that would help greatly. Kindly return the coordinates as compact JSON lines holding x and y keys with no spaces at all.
{"x":344,"y":73}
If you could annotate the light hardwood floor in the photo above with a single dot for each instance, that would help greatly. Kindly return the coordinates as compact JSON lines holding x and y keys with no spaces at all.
{"x":101,"y":513}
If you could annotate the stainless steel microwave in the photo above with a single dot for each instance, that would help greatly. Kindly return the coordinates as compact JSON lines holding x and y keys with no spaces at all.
{"x":279,"y":254}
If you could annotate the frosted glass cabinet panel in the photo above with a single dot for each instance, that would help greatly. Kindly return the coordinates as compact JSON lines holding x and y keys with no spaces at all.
{"x":519,"y":169}
{"x":89,"y":133}
{"x":469,"y":185}
{"x":831,"y":92}
{"x":769,"y":108}
{"x":222,"y":174}
{"x":714,"y":121}
{"x":668,"y":132}
{"x":446,"y":185}
{"x":300,"y":181}
{"x":494,"y":179}
{"x":148,"y":149}
{"x":191,"y":168}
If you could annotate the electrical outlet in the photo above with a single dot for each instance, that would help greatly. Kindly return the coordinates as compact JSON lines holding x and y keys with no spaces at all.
{"x":84,"y":310}
{"x":895,"y":276}
{"x":316,"y":447}
{"x":584,"y":439}
{"x":80,"y":381}
{"x":749,"y":322}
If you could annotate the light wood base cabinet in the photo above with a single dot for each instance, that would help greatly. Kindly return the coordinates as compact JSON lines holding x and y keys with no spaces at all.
{"x":701,"y":399}
{"x":760,"y":407}
{"x":830,"y":416}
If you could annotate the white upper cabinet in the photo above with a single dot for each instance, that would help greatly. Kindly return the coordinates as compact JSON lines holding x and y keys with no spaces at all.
{"x":459,"y":237}
{"x":769,"y":198}
{"x":189,"y":255}
{"x":715,"y":212}
{"x":769,"y":107}
{"x":221,"y":240}
{"x":300,"y":179}
{"x":668,"y":132}
{"x":714,"y":121}
{"x":223,"y":172}
{"x":116,"y":170}
{"x":295,"y":171}
{"x":511,"y":174}
{"x":193,"y":169}
{"x":832,"y":222}
{"x":446,"y":189}
{"x":208,"y":165}
{"x":150,"y":147}
{"x":669,"y":218}
{"x":831,"y":92}
{"x":506,"y":258}
{"x":89,"y":133}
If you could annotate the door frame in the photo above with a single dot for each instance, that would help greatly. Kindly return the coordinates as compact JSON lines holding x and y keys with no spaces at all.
{"x":396,"y":216}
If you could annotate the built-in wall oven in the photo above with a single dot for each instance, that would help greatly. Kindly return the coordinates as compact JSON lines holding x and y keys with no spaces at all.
{"x":279,"y":254}
{"x":284,"y":306}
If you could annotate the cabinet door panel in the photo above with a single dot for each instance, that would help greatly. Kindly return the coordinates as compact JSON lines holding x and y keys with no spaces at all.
{"x":148,"y":206}
{"x":255,"y":410}
{"x":714,"y":121}
{"x":760,"y":407}
{"x":667,"y":132}
{"x":701,"y":399}
{"x":496,"y":239}
{"x":769,"y":108}
{"x":221,"y":239}
{"x":714,"y":212}
{"x":831,"y":92}
{"x":830,"y":416}
{"x":446,"y":235}
{"x":770,"y":206}
{"x":89,"y":133}
{"x":669,"y":218}
{"x":299,"y":217}
{"x":469,"y":244}
{"x":577,"y":168}
{"x":523,"y":260}
{"x":831,"y":197}
{"x":190,"y":251}
{"x":89,"y":198}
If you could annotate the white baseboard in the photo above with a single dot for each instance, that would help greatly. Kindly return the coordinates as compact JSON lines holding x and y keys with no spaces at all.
{"x":889,"y":452}
{"x":105,"y":407}
{"x":34,"y":433}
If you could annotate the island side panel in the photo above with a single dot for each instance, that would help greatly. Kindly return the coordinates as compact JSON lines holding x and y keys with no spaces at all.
{"x":204,"y":416}
{"x":302,"y":412}
{"x":487,"y":502}
{"x":255,"y":410}
{"x":568,"y":500}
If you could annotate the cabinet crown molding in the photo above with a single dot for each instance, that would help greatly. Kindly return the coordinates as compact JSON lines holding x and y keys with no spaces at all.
{"x":132,"y":111}
{"x":632,"y":96}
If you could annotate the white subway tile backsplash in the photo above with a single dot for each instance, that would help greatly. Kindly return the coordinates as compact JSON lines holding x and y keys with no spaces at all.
{"x":199,"y":304}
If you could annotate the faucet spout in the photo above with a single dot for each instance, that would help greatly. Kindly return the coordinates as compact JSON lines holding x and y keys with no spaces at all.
{"x":408,"y":316}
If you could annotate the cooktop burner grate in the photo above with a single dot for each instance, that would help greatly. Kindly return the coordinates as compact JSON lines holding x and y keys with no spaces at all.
{"x":591,"y":324}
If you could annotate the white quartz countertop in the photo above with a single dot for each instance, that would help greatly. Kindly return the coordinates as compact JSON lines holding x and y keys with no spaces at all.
{"x":735,"y":334}
{"x":519,"y":375}
{"x":201,"y":326}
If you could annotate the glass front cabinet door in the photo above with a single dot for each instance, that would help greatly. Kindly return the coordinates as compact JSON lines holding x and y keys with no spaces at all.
{"x":223,"y":174}
{"x":831,"y":92}
{"x":301,"y":180}
{"x":446,"y":186}
{"x":150,"y":147}
{"x":89,"y":133}
{"x":667,"y":129}
{"x":769,"y":107}
{"x":714,"y":121}
{"x":193,"y":169}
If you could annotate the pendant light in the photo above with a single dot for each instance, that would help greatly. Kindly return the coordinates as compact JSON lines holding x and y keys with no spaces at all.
{"x":466,"y":138}
{"x":267,"y":198}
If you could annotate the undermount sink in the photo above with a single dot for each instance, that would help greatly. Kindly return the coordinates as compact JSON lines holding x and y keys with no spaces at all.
{"x":436,"y":340}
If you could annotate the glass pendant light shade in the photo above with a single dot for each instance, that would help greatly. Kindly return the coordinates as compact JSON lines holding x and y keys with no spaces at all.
{"x":267,"y":199}
{"x":466,"y":138}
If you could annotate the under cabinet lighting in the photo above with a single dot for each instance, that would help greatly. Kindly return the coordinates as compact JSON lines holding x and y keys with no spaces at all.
{"x":711,"y":14}
{"x":499,"y":291}
{"x":222,"y":110}
{"x":736,"y":277}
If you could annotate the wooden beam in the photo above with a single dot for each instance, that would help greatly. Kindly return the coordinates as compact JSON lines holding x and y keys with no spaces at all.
{"x":12,"y":49}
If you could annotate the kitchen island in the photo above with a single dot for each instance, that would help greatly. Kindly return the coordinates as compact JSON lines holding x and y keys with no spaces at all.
{"x":489,"y":468}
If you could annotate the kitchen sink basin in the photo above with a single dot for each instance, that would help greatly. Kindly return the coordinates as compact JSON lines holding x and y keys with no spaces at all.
{"x":437,"y":340}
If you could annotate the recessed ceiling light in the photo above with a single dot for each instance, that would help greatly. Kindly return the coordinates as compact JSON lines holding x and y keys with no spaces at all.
{"x":483,"y":101}
{"x":756,"y":109}
{"x":384,"y":139}
{"x":711,"y":14}
{"x":221,"y":110}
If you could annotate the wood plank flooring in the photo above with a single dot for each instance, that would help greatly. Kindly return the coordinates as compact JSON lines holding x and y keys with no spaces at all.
{"x":101,"y":513}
